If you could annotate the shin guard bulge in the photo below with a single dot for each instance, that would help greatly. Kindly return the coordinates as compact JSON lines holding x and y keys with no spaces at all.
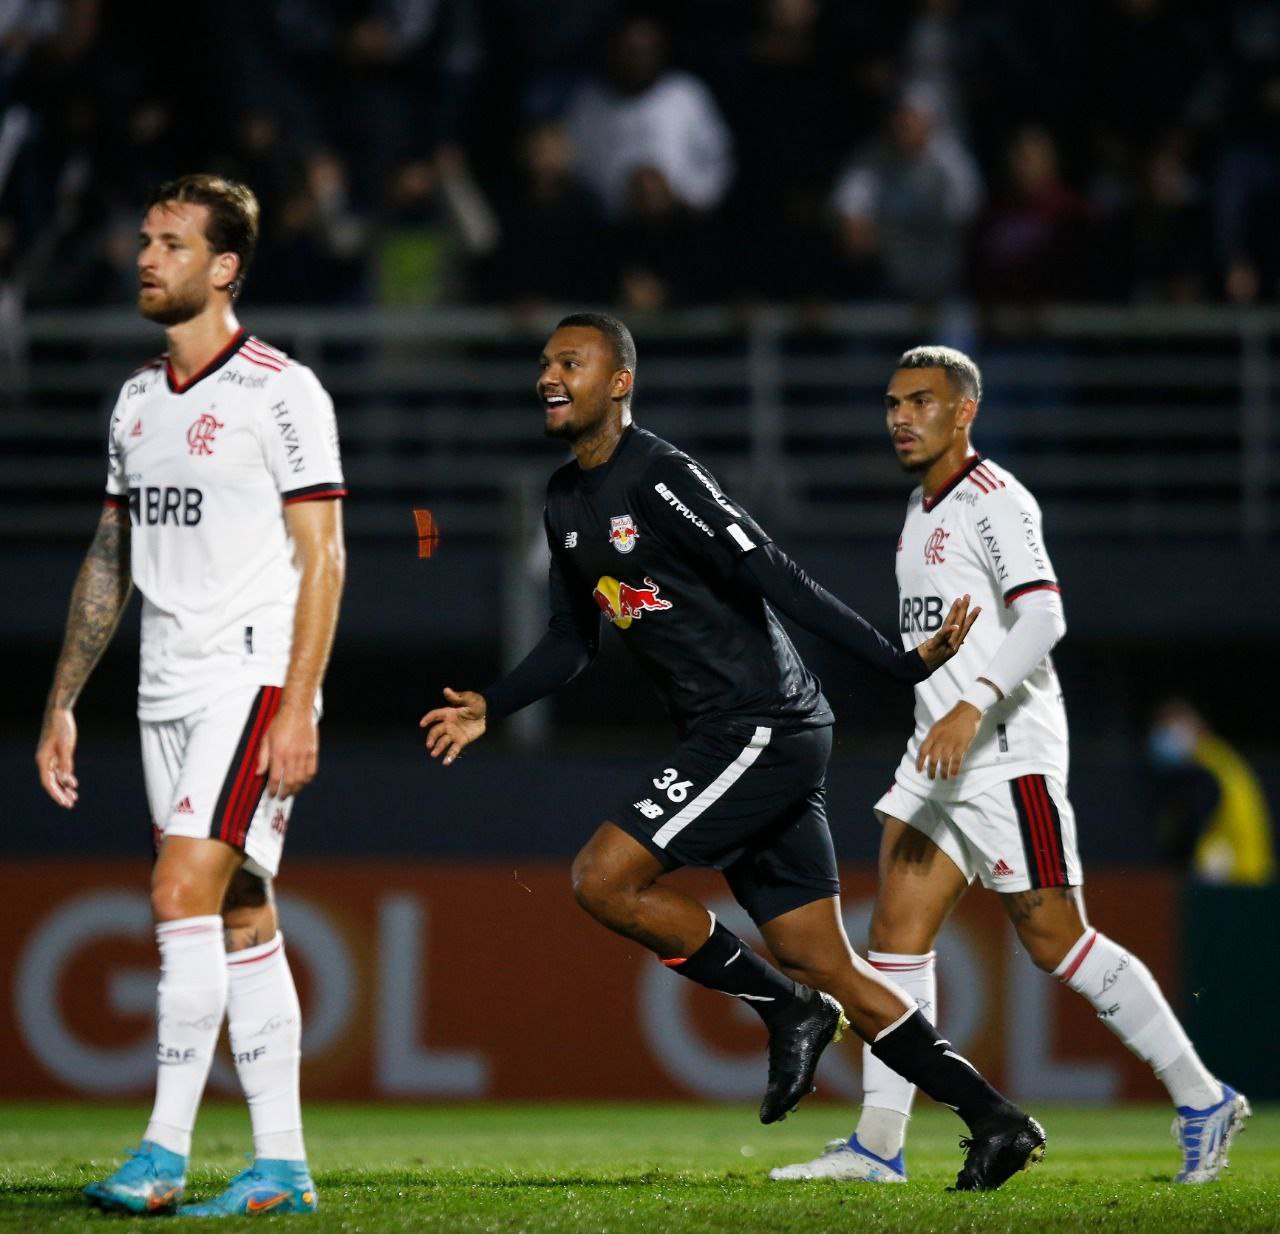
{"x":191,"y":1002}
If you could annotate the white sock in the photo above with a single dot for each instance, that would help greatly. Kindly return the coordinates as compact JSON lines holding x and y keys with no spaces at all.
{"x":1129,"y":1003}
{"x":887,"y":1097}
{"x":264,"y":1023}
{"x":191,"y":1001}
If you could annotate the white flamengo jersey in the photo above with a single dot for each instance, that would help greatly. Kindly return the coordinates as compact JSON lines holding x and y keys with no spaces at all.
{"x":206,"y":469}
{"x":980,"y":535}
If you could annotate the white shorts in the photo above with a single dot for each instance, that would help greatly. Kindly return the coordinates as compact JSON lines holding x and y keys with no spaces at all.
{"x":201,"y":781}
{"x":1017,"y":835}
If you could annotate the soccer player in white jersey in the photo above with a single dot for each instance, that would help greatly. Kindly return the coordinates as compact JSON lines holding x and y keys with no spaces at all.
{"x":223,"y":505}
{"x":981,"y":789}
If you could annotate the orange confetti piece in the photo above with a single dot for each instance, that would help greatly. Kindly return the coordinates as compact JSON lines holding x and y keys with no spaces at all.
{"x":428,"y":532}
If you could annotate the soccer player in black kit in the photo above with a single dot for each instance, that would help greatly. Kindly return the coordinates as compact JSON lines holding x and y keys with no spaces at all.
{"x":642,"y":536}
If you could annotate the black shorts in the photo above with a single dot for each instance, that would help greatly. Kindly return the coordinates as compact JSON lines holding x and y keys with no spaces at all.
{"x":750,"y":801}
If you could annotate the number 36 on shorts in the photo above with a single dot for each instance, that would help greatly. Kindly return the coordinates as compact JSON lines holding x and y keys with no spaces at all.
{"x":677,"y":790}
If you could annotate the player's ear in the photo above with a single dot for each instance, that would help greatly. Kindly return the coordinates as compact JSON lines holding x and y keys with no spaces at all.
{"x":623,"y":380}
{"x":966,"y":410}
{"x":226,"y":270}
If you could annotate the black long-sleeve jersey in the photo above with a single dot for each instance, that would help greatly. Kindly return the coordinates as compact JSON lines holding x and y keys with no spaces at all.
{"x":649,"y":542}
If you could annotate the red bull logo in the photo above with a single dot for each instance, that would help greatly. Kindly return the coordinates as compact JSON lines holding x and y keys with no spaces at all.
{"x":622,"y":533}
{"x":622,"y":603}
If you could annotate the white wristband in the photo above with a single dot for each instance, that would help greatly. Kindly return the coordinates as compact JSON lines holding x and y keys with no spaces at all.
{"x":980,"y":695}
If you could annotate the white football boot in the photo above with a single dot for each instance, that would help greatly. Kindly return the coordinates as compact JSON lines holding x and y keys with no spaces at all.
{"x":1205,"y":1136}
{"x":847,"y":1161}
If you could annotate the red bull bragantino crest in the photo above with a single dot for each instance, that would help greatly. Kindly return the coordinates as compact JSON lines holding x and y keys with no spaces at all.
{"x":622,"y":533}
{"x":622,"y":603}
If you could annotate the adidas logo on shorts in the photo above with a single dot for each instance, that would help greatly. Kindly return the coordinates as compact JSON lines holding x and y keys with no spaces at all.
{"x":1001,"y":869}
{"x":184,"y":807}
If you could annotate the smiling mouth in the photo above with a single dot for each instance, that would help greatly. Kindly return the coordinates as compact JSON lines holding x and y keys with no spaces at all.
{"x":553,"y":402}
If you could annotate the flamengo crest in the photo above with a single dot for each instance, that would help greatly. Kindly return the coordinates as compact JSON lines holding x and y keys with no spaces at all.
{"x":934,"y":546}
{"x":622,"y":533}
{"x":200,"y":434}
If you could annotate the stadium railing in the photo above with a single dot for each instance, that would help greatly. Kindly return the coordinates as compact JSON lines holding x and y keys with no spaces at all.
{"x":1126,"y":422}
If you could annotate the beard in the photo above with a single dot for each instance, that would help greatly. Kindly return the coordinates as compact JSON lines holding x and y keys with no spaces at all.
{"x":568,"y":431}
{"x":173,"y":308}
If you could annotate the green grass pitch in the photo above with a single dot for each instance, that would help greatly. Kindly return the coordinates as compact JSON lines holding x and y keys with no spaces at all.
{"x":648,"y":1169}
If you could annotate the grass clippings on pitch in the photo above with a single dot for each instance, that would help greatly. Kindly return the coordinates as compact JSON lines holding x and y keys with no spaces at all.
{"x":648,"y":1169}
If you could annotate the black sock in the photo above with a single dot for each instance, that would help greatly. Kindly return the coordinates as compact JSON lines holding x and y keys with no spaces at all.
{"x":916,"y":1052}
{"x":725,"y":963}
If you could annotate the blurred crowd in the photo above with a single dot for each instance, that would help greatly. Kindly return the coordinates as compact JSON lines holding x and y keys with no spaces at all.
{"x":417,"y":152}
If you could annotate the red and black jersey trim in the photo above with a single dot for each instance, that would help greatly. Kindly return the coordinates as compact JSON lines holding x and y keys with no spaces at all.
{"x":952,"y":482}
{"x":116,"y":500}
{"x":1036,"y":584}
{"x":314,"y":492}
{"x":984,"y":478}
{"x":243,"y":787}
{"x":1041,"y":828}
{"x":181,"y":387}
{"x":264,"y":355}
{"x":154,"y":362}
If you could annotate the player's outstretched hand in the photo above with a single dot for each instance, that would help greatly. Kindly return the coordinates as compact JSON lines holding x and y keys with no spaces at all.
{"x":451,"y":729}
{"x":55,"y":757}
{"x":936,"y":651}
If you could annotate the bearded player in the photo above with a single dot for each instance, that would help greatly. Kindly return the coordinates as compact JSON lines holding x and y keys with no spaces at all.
{"x":642,"y":537}
{"x":223,"y":506}
{"x":981,"y":790}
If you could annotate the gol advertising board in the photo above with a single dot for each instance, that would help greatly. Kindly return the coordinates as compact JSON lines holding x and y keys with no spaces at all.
{"x":424,"y":981}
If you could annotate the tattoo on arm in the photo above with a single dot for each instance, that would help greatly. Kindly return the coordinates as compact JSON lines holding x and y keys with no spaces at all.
{"x":101,"y":592}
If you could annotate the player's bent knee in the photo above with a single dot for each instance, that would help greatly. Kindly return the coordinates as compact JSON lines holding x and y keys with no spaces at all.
{"x":819,"y":978}
{"x":595,"y":893}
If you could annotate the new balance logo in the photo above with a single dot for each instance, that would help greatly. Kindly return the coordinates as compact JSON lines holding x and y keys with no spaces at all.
{"x":184,"y":807}
{"x":1001,"y":869}
{"x":649,"y":808}
{"x":571,"y":539}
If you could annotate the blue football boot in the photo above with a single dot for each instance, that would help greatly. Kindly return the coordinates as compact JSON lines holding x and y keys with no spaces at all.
{"x":265,"y":1187}
{"x":151,"y":1182}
